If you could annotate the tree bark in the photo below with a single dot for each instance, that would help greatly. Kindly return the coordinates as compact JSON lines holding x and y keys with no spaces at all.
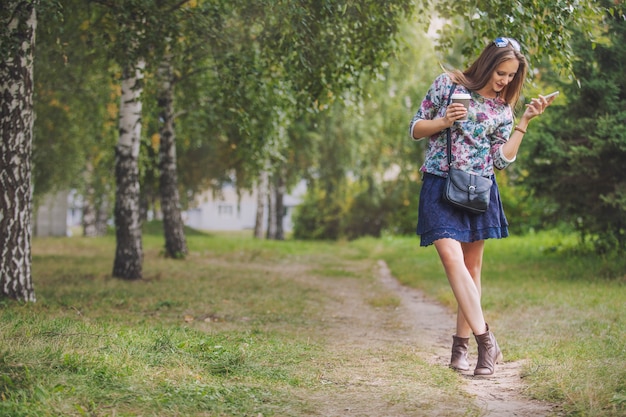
{"x":129,"y":251}
{"x":17,"y":37}
{"x":96,"y":209}
{"x":260,"y":205}
{"x":95,"y":212}
{"x":90,"y":213}
{"x":103,"y":215}
{"x":271,"y":211}
{"x":280,"y":207}
{"x":173,"y":227}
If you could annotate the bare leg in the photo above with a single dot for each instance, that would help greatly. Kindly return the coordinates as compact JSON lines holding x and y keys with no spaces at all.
{"x":466,"y":291}
{"x":473,"y":258}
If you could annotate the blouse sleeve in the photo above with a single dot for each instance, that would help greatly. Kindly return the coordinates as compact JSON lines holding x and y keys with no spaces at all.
{"x":432,"y":102}
{"x":499,"y":138}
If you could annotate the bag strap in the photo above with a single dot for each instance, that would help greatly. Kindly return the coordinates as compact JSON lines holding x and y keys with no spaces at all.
{"x":449,"y":139}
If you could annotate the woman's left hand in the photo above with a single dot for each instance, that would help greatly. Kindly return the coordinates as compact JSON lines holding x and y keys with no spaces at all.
{"x":537,"y":106}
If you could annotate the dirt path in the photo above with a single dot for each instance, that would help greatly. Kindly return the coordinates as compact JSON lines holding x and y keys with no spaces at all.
{"x":367,"y":379}
{"x":500,"y":395}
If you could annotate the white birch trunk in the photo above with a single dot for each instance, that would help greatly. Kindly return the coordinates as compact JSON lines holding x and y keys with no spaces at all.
{"x":17,"y":37}
{"x":129,"y":251}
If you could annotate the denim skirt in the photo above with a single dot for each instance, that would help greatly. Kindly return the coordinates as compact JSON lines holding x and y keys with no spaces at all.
{"x":437,"y":219}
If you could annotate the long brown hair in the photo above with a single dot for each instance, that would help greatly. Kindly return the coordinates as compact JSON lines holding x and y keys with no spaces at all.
{"x":479,"y":73}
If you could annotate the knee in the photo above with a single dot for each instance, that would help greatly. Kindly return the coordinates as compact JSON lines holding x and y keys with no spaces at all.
{"x":450,"y":255}
{"x":474,"y":269}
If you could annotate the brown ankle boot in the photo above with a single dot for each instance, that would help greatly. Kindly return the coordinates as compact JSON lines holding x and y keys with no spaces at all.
{"x":458,"y":360}
{"x":488,"y":354}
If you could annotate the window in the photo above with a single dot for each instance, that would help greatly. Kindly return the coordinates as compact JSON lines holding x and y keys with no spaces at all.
{"x":225,"y":210}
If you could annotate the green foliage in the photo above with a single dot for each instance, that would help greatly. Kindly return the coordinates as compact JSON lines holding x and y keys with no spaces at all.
{"x":370,"y":211}
{"x":328,"y":46}
{"x":401,"y":203}
{"x":363,"y":158}
{"x":576,"y":155}
{"x":544,"y":28}
{"x":366,"y":215}
{"x":525,"y":210}
{"x":318,"y":217}
{"x":256,"y":81}
{"x":76,"y":105}
{"x":391,"y":208}
{"x":315,"y":62}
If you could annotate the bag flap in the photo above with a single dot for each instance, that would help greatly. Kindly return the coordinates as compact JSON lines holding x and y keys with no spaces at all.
{"x":464,"y":180}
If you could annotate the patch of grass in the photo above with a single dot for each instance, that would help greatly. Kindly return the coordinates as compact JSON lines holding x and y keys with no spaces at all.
{"x":384,"y":301}
{"x":212,"y":335}
{"x":558,"y":308}
{"x":236,"y":329}
{"x":72,"y":366}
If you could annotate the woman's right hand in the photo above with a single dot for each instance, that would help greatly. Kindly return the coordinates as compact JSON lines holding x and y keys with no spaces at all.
{"x":425,"y":128}
{"x":454,"y":112}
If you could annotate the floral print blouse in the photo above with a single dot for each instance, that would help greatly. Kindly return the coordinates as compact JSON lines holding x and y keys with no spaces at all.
{"x":476,"y":143}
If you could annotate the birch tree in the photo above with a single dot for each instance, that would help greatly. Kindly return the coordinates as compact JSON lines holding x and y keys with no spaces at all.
{"x":135,"y":31}
{"x":18,"y":22}
{"x":175,"y":242}
{"x":129,"y":250}
{"x":171,"y":33}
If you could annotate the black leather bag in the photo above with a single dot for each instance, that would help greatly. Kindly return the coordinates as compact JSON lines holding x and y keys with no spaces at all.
{"x":464,"y":190}
{"x":467,"y":191}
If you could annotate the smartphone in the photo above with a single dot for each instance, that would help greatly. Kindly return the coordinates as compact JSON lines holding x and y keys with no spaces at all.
{"x":556,"y":93}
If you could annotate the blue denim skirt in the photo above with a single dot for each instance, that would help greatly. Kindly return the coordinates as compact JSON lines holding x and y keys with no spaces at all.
{"x":438,"y":219}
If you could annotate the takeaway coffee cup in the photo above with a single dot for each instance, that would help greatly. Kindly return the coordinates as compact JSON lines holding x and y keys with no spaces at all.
{"x":464,"y":99}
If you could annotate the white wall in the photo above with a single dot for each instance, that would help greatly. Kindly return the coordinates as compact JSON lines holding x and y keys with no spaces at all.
{"x":51,"y":216}
{"x":226,"y":212}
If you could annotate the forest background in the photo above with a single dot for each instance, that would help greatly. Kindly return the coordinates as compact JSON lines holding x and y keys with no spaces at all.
{"x":143,"y":104}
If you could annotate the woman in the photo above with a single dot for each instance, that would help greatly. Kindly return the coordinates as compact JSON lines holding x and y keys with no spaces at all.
{"x":481,"y":140}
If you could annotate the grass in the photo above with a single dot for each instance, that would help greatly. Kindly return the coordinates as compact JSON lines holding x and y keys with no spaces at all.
{"x":234,"y":330}
{"x":93,"y":345}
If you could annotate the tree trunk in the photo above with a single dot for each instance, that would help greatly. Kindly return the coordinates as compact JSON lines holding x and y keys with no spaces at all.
{"x":129,"y":251}
{"x":260,"y":205}
{"x":280,"y":208}
{"x":103,"y":215}
{"x":90,"y":213}
{"x":17,"y":37}
{"x":95,"y":212}
{"x":173,"y":227}
{"x":271,"y":211}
